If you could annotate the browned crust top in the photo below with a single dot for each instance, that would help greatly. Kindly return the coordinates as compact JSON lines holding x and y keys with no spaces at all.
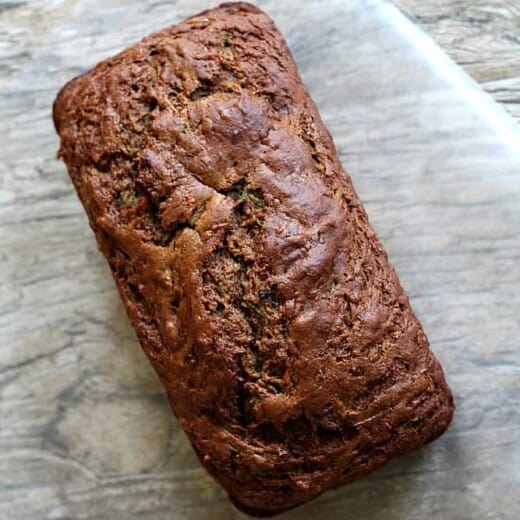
{"x":246,"y":262}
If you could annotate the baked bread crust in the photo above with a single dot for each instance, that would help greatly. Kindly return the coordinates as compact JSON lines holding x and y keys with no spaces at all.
{"x":246,"y":263}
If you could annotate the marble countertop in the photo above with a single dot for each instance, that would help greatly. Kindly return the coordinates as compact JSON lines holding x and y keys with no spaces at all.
{"x":482,"y":36}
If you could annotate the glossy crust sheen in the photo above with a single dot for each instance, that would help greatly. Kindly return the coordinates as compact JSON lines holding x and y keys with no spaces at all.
{"x":245,"y":260}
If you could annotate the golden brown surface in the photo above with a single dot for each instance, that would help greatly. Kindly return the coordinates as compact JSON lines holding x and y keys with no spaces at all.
{"x":246,"y":263}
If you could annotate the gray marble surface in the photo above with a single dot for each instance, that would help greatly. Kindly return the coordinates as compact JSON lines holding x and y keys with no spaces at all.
{"x":482,"y":36}
{"x":85,"y":430}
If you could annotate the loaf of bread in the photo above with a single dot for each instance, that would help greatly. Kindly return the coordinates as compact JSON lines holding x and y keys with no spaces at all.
{"x":258,"y":290}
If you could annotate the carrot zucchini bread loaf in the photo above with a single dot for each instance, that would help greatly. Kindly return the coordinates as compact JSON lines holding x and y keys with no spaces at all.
{"x":259,"y":292}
